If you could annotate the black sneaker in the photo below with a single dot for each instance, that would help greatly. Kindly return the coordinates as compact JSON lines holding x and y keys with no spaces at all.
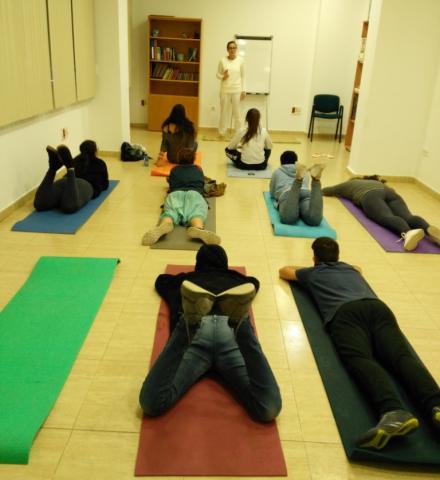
{"x":196,"y":302}
{"x":236,"y":302}
{"x":394,"y":423}
{"x":436,"y":417}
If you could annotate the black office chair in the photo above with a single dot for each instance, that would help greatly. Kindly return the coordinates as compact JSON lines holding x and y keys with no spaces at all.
{"x":326,"y":106}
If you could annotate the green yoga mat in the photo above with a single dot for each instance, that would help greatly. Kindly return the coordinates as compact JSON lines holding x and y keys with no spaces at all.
{"x":41,"y":331}
{"x":352,"y":412}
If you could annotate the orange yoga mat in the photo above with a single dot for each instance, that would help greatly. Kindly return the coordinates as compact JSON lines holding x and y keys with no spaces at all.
{"x":207,"y":432}
{"x":165,"y":170}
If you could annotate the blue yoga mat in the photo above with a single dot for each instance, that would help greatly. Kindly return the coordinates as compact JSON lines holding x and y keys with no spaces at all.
{"x":55,"y":221}
{"x":300,"y":229}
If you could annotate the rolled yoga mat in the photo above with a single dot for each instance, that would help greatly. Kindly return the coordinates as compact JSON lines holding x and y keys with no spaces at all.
{"x":56,"y":221}
{"x":41,"y":331}
{"x":353,"y":414}
{"x":387,"y":239}
{"x":207,"y":432}
{"x":300,"y":229}
{"x":178,"y":238}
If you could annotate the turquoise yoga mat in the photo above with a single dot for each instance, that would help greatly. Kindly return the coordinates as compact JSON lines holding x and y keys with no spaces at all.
{"x":41,"y":331}
{"x":300,"y":229}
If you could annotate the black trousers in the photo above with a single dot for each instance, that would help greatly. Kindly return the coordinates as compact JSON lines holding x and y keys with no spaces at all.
{"x":387,"y":208}
{"x":235,"y":156}
{"x":370,"y":345}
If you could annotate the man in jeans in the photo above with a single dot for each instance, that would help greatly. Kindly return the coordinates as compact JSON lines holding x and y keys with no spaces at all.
{"x":211,"y":331}
{"x":369,"y":342}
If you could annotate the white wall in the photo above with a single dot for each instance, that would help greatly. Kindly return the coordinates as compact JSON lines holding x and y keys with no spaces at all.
{"x":296,"y":50}
{"x":104,"y":119}
{"x":397,"y":88}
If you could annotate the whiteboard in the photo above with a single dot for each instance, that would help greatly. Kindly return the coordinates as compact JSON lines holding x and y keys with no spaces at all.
{"x":257,"y":55}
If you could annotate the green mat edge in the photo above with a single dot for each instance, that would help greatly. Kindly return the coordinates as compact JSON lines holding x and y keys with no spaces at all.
{"x":19,"y":454}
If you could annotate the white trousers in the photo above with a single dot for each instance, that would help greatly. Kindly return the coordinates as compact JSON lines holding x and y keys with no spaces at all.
{"x":228,"y":101}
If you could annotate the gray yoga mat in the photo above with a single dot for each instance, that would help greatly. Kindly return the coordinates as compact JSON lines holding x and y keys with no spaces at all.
{"x":179,"y":240}
{"x":236,"y":172}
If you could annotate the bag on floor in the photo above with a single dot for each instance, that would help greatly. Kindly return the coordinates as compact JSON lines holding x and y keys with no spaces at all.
{"x":133,"y":152}
{"x":213,"y":189}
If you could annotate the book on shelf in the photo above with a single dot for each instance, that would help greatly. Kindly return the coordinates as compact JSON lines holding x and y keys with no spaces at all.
{"x":192,"y":54}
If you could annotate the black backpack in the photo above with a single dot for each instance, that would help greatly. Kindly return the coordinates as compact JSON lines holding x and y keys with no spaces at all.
{"x":133,"y":153}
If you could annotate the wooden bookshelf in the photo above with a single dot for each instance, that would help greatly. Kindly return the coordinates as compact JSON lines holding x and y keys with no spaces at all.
{"x":174,"y":48}
{"x":356,"y":88}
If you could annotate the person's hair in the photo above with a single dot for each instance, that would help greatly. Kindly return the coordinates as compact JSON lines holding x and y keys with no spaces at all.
{"x":179,"y":118}
{"x":88,"y":150}
{"x":325,"y":249}
{"x":211,"y":257}
{"x":289,"y":157}
{"x":186,"y":156}
{"x":230,"y":43}
{"x":253,"y":121}
{"x":370,"y":177}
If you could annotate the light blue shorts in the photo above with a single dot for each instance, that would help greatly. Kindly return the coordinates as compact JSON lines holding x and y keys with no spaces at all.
{"x":182,"y":207}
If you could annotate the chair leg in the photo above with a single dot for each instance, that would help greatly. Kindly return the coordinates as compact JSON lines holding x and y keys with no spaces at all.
{"x":337,"y":128}
{"x":340,"y":128}
{"x":310,"y":125}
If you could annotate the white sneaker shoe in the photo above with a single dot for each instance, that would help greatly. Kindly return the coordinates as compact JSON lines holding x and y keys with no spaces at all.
{"x":434,"y":234}
{"x":300,"y":171}
{"x":206,"y":236}
{"x":153,"y":235}
{"x":411,"y":238}
{"x":316,"y":170}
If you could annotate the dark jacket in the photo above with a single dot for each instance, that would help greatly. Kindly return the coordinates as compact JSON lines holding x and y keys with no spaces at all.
{"x":94,"y":171}
{"x":186,"y":177}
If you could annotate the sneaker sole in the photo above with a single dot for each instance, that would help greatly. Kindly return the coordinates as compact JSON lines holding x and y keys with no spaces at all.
{"x":196,"y":301}
{"x":411,"y":245}
{"x":382,"y":437}
{"x":152,"y":236}
{"x":206,"y":236}
{"x":237,"y":301}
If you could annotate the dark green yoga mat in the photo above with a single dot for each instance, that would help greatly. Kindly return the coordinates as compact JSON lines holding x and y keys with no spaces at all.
{"x":41,"y":331}
{"x":352,"y":413}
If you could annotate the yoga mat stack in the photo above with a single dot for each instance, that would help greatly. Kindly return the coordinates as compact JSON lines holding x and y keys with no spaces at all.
{"x":207,"y":432}
{"x":41,"y":331}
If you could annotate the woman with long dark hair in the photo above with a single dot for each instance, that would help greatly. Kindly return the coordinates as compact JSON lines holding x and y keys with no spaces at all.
{"x":250,"y":148}
{"x":91,"y":168}
{"x":177,"y":132}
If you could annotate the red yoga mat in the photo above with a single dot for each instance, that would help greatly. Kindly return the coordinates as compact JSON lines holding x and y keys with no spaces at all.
{"x":207,"y":432}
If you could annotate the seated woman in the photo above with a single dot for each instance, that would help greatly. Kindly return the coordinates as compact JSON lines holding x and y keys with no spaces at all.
{"x":288,"y":186}
{"x":251,"y":147}
{"x":185,"y":204}
{"x":73,"y":191}
{"x":385,"y":207}
{"x":177,"y":132}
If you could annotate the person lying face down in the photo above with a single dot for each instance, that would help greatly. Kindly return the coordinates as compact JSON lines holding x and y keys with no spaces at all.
{"x":211,"y":332}
{"x":369,"y":342}
{"x":386,"y":207}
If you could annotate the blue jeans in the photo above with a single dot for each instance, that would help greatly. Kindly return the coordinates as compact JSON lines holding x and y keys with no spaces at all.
{"x":297,"y":203}
{"x":239,"y":360}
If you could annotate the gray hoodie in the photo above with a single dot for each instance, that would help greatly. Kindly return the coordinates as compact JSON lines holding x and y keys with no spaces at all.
{"x":282,"y":180}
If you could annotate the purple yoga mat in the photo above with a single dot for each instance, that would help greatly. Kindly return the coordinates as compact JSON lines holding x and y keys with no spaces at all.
{"x":387,"y":239}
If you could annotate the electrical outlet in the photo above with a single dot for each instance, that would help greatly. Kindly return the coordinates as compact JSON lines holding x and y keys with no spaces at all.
{"x":296,"y":110}
{"x":64,"y":133}
{"x":143,"y":102}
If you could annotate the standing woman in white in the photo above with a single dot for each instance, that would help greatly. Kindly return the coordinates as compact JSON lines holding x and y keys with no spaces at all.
{"x":231,"y":73}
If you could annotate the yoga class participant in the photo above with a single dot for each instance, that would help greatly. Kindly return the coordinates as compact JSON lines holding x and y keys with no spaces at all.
{"x":185,"y":204}
{"x":232,"y":88}
{"x":73,"y":191}
{"x":369,"y":342}
{"x":251,"y":147}
{"x":177,"y":132}
{"x":288,"y":186}
{"x":211,"y":332}
{"x":386,"y":207}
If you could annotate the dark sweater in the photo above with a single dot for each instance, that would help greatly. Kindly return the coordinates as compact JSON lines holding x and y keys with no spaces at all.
{"x":186,"y":177}
{"x":95,"y":173}
{"x":215,"y":281}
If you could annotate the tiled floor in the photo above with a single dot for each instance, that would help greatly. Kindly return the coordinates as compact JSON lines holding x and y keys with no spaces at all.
{"x":92,"y":432}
